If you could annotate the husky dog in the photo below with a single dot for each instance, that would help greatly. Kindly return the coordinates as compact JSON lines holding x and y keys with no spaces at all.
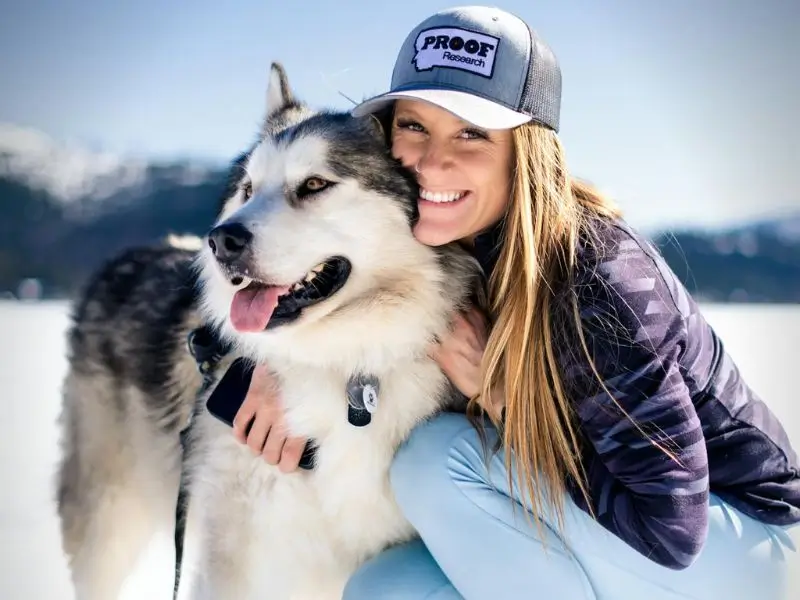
{"x":319,"y":276}
{"x":311,"y":268}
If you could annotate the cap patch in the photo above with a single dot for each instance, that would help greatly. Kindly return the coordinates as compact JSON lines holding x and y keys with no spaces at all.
{"x":455,"y":48}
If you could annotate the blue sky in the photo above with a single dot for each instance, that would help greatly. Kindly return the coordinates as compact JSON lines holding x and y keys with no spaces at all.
{"x":686,"y":110}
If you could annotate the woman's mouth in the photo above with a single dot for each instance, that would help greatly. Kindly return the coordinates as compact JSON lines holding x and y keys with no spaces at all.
{"x":444,"y":197}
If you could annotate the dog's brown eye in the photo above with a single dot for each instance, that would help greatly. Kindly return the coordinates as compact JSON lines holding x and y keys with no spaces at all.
{"x":312,"y":185}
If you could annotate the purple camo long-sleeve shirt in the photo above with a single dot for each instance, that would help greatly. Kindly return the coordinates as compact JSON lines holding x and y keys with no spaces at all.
{"x":669,"y":371}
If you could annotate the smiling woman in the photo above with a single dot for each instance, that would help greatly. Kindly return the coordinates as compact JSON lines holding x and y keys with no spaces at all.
{"x":462,"y":170}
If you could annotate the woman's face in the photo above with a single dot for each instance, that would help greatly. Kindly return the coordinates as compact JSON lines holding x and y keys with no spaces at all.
{"x":464,"y":172}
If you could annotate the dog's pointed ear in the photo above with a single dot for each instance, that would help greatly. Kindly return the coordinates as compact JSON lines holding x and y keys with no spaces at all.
{"x":279,"y":92}
{"x":374,"y":125}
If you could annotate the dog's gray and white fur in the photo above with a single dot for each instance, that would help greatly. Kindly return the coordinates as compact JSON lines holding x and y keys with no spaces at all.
{"x":253,"y":532}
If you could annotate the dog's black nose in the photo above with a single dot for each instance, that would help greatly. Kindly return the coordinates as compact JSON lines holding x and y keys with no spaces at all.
{"x":228,"y":241}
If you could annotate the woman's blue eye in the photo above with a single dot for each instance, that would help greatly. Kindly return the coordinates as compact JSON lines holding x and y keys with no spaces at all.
{"x":469,"y":134}
{"x":412,"y":125}
{"x":475,"y":134}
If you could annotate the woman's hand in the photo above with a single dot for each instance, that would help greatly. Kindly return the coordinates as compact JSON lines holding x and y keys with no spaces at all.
{"x":459,"y":354}
{"x":268,"y":435}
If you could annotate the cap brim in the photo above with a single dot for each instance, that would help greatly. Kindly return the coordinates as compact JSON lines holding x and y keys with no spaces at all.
{"x":473,"y":109}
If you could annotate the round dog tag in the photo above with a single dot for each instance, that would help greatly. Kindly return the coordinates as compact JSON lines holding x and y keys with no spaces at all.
{"x":370,"y":397}
{"x":362,"y":399}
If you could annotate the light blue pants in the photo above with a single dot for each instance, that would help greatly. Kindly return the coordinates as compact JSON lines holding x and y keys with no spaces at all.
{"x":473,"y":546}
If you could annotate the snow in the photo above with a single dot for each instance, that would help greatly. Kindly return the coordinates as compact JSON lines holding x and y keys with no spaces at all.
{"x":32,"y":364}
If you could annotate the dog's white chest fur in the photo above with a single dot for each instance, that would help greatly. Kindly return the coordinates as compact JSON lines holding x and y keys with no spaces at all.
{"x":300,"y":535}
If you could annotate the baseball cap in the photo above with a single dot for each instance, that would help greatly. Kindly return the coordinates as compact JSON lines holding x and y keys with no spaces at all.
{"x":481,"y":63}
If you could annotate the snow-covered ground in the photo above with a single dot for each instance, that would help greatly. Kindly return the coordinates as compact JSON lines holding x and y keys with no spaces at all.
{"x":32,"y":363}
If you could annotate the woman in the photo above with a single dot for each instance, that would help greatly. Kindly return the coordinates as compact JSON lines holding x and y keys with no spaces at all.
{"x":632,"y":459}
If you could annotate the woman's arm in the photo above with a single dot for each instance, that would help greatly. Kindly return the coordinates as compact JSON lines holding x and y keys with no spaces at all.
{"x":651,"y":490}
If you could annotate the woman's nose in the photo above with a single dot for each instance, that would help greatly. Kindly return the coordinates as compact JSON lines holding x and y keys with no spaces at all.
{"x":434,"y":157}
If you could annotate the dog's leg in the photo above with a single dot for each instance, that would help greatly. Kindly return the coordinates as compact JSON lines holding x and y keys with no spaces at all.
{"x":221,"y":531}
{"x":216,"y":560}
{"x":117,"y":489}
{"x":115,"y":538}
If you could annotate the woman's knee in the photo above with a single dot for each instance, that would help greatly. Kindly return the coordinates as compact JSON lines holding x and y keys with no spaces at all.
{"x":366,"y":582}
{"x":423,"y":468}
{"x":403,"y":572}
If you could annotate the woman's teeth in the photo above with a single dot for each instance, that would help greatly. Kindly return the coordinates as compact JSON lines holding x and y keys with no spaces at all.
{"x":440,"y":196}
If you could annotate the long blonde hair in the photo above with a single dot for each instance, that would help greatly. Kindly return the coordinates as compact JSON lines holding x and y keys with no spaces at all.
{"x":548,"y":211}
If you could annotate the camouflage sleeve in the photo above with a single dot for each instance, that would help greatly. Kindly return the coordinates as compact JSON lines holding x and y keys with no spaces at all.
{"x":655,"y":501}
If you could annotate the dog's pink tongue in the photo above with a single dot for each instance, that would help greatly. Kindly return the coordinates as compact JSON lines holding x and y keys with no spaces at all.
{"x":252,"y":307}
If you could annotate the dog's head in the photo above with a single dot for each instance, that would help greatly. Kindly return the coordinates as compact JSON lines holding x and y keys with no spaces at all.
{"x":319,"y":223}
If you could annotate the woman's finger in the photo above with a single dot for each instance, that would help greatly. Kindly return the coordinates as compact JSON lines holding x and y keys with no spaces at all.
{"x":276,"y":438}
{"x":243,"y":419}
{"x":261,"y":392}
{"x":479,"y":326}
{"x":291,"y":454}
{"x":259,"y":431}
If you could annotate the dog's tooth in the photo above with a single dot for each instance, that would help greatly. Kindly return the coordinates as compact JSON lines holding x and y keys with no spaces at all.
{"x":243,"y":281}
{"x":297,"y":286}
{"x":314,"y":272}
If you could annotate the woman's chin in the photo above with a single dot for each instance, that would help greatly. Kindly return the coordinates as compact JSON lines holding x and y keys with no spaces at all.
{"x":435,"y":234}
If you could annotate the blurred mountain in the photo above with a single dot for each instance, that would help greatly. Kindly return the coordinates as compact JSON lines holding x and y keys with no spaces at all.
{"x":751,"y":262}
{"x":64,"y":210}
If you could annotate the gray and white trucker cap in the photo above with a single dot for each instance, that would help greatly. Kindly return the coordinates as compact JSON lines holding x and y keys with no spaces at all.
{"x":482,"y":64}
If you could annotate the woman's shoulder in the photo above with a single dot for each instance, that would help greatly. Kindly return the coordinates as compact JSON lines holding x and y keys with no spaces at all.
{"x":613,"y":252}
{"x":605,"y":241}
{"x":621,"y":277}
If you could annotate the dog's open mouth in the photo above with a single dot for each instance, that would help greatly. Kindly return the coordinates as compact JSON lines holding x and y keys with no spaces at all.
{"x":258,"y":306}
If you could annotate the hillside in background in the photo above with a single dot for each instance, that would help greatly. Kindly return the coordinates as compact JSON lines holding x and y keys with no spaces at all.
{"x":63,"y":211}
